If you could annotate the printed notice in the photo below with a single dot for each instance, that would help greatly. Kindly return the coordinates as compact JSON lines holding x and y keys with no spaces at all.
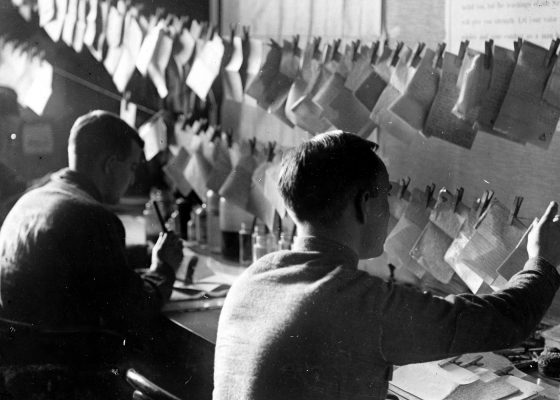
{"x":501,"y":20}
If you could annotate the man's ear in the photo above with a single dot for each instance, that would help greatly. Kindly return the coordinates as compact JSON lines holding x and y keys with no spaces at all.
{"x":109,"y":164}
{"x":361,"y":203}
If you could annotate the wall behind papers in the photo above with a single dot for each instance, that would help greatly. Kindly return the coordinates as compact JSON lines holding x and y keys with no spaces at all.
{"x":508,"y":168}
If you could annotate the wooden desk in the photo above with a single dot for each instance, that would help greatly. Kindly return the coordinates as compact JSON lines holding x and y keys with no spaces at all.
{"x":203,"y":324}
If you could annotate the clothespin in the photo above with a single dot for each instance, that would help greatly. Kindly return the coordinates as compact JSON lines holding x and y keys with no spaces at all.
{"x":126,"y":99}
{"x":396,"y":53}
{"x":517,"y":47}
{"x":462,"y":51}
{"x":217,"y":133}
{"x":417,"y":55}
{"x":295,"y":43}
{"x":273,"y":43}
{"x":316,"y":51}
{"x":439,"y":58}
{"x":404,"y":182}
{"x":355,"y":48}
{"x":186,"y":22}
{"x":159,"y":13}
{"x":374,"y":50}
{"x":270,"y":151}
{"x":458,"y":198}
{"x":504,"y":371}
{"x":430,"y":189}
{"x":551,"y":56}
{"x":484,"y":203}
{"x":211,"y":31}
{"x":204,"y":124}
{"x":516,"y":206}
{"x":253,"y":145}
{"x":227,"y":135}
{"x":233,"y":31}
{"x":335,"y":54}
{"x":246,"y":30}
{"x":488,"y":50}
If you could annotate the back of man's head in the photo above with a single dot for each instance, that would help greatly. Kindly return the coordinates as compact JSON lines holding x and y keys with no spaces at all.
{"x":319,"y":177}
{"x":98,"y":134}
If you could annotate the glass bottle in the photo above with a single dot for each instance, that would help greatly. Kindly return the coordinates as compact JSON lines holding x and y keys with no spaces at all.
{"x":213,"y":222}
{"x":245,"y":245}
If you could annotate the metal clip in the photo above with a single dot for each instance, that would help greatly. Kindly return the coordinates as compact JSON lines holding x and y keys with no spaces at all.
{"x":488,"y":56}
{"x":404,"y":185}
{"x":430,"y":189}
{"x":458,"y":198}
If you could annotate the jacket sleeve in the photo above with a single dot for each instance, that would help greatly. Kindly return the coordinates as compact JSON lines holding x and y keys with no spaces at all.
{"x":126,"y":300}
{"x":417,"y":326}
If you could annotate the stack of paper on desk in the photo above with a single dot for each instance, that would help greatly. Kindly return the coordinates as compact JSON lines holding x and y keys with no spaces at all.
{"x":202,"y":283}
{"x":434,"y":381}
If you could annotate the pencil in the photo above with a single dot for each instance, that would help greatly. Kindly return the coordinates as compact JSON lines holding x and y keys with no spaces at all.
{"x":160,"y":217}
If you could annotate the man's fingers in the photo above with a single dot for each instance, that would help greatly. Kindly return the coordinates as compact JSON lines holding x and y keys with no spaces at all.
{"x":550,"y":212}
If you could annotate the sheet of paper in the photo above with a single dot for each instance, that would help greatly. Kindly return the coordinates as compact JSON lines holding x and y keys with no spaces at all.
{"x":154,"y":135}
{"x":429,"y":251}
{"x":197,"y":172}
{"x":115,"y":24}
{"x":414,"y":104}
{"x":206,"y":67}
{"x":426,"y":381}
{"x":524,"y":115}
{"x":515,"y":261}
{"x":371,"y":88}
{"x":493,"y":390}
{"x":221,"y":166}
{"x":473,"y":86}
{"x":55,"y":26}
{"x":266,"y":75}
{"x":348,"y":114}
{"x":81,"y":25}
{"x":70,"y":22}
{"x":46,"y":10}
{"x":158,"y":64}
{"x":112,"y":59}
{"x":491,"y":242}
{"x":132,"y":42}
{"x":328,"y":91}
{"x":184,"y":48}
{"x":40,"y":90}
{"x":258,"y":204}
{"x":148,"y":48}
{"x":92,"y":22}
{"x":237,"y":185}
{"x":175,"y":170}
{"x":551,"y":92}
{"x":271,"y":191}
{"x":254,"y":61}
{"x":446,"y":216}
{"x":441,"y":122}
{"x":128,"y":112}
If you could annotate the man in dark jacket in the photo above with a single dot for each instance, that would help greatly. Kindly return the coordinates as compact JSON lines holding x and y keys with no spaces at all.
{"x":62,"y":251}
{"x":307,"y":324}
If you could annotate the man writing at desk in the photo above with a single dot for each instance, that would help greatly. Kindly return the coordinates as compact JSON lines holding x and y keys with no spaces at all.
{"x":306,"y":324}
{"x":62,"y":252}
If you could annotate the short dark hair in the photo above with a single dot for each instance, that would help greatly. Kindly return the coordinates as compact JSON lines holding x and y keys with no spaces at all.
{"x":99,"y":132}
{"x":320,"y":176}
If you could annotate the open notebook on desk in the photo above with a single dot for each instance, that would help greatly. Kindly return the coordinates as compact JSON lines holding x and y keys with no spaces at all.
{"x":202,"y":282}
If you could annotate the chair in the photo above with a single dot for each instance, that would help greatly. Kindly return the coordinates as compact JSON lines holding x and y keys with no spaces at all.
{"x":144,"y":389}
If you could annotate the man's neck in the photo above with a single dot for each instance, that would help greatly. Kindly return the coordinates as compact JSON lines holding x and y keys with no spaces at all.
{"x":338,"y":233}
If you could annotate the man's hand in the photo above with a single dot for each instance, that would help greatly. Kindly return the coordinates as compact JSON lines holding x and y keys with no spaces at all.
{"x":544,"y":238}
{"x":168,"y":249}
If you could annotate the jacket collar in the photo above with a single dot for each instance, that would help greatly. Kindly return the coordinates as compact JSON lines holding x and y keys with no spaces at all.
{"x":329,"y":248}
{"x":78,"y":180}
